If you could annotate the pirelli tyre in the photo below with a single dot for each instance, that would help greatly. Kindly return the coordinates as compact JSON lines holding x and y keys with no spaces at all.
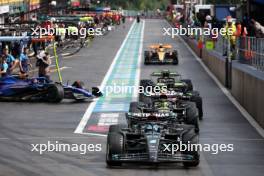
{"x":175,"y":58}
{"x":147,"y":57}
{"x":144,"y":84}
{"x":115,"y":145}
{"x":192,"y":115}
{"x":133,"y":107}
{"x":55,"y":93}
{"x":116,"y":128}
{"x":189,"y":84}
{"x":192,"y":138}
{"x":199,"y":104}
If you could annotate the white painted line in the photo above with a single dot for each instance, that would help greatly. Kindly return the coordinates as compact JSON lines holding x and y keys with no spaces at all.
{"x":110,"y":115}
{"x":48,"y":137}
{"x":61,"y":68}
{"x":137,"y":78}
{"x":250,"y":119}
{"x":65,"y":54}
{"x":94,"y":134}
{"x":86,"y":116}
{"x":232,"y":139}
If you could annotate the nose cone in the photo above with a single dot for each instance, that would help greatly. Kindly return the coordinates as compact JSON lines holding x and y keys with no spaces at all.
{"x":153,"y":147}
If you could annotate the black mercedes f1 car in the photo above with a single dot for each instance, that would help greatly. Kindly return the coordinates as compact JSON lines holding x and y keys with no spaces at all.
{"x":173,"y":87}
{"x":150,"y":138}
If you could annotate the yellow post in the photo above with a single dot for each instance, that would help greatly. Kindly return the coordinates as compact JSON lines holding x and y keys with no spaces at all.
{"x":57,"y":62}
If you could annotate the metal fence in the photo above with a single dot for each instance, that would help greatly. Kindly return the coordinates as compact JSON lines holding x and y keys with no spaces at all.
{"x":250,"y":50}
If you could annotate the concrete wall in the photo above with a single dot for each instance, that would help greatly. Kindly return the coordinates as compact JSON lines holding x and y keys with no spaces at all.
{"x":211,"y":59}
{"x":248,"y":89}
{"x":247,"y":83}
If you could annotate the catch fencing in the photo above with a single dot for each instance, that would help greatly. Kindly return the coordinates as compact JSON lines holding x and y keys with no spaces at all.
{"x":248,"y":50}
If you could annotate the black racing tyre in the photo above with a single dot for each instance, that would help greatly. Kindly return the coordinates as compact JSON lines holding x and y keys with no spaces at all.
{"x":144,"y":84}
{"x":194,"y":93}
{"x":55,"y":93}
{"x":192,"y":138}
{"x":189,"y":84}
{"x":147,"y":53}
{"x":192,"y":115}
{"x":134,"y":107}
{"x":147,"y":57}
{"x":145,"y":99}
{"x":116,"y":128}
{"x":115,"y":145}
{"x":175,"y":61}
{"x":146,"y":61}
{"x":193,"y":163}
{"x":175,"y":58}
{"x":199,"y":104}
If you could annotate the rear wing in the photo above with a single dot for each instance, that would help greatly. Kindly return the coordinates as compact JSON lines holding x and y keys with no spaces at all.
{"x":154,"y":116}
{"x":155,"y":46}
{"x":168,"y":94}
{"x":165,"y":73}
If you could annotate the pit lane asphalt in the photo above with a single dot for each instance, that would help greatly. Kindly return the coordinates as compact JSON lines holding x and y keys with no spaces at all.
{"x":22,"y":124}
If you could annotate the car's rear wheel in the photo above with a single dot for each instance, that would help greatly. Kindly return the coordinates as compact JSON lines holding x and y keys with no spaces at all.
{"x":134,"y":107}
{"x":199,"y":104}
{"x":145,"y":83}
{"x":192,"y":115}
{"x":175,"y":58}
{"x":147,"y":57}
{"x":189,"y":84}
{"x":55,"y":93}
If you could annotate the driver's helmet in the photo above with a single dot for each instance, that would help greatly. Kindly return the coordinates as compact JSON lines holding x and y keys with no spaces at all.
{"x":163,"y":97}
{"x":166,"y":73}
{"x":163,"y":102}
{"x":156,"y":128}
{"x":148,"y":128}
{"x":160,"y":45}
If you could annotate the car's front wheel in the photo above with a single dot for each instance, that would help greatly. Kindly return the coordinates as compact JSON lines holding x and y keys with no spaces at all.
{"x":192,"y":138}
{"x":115,"y":146}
